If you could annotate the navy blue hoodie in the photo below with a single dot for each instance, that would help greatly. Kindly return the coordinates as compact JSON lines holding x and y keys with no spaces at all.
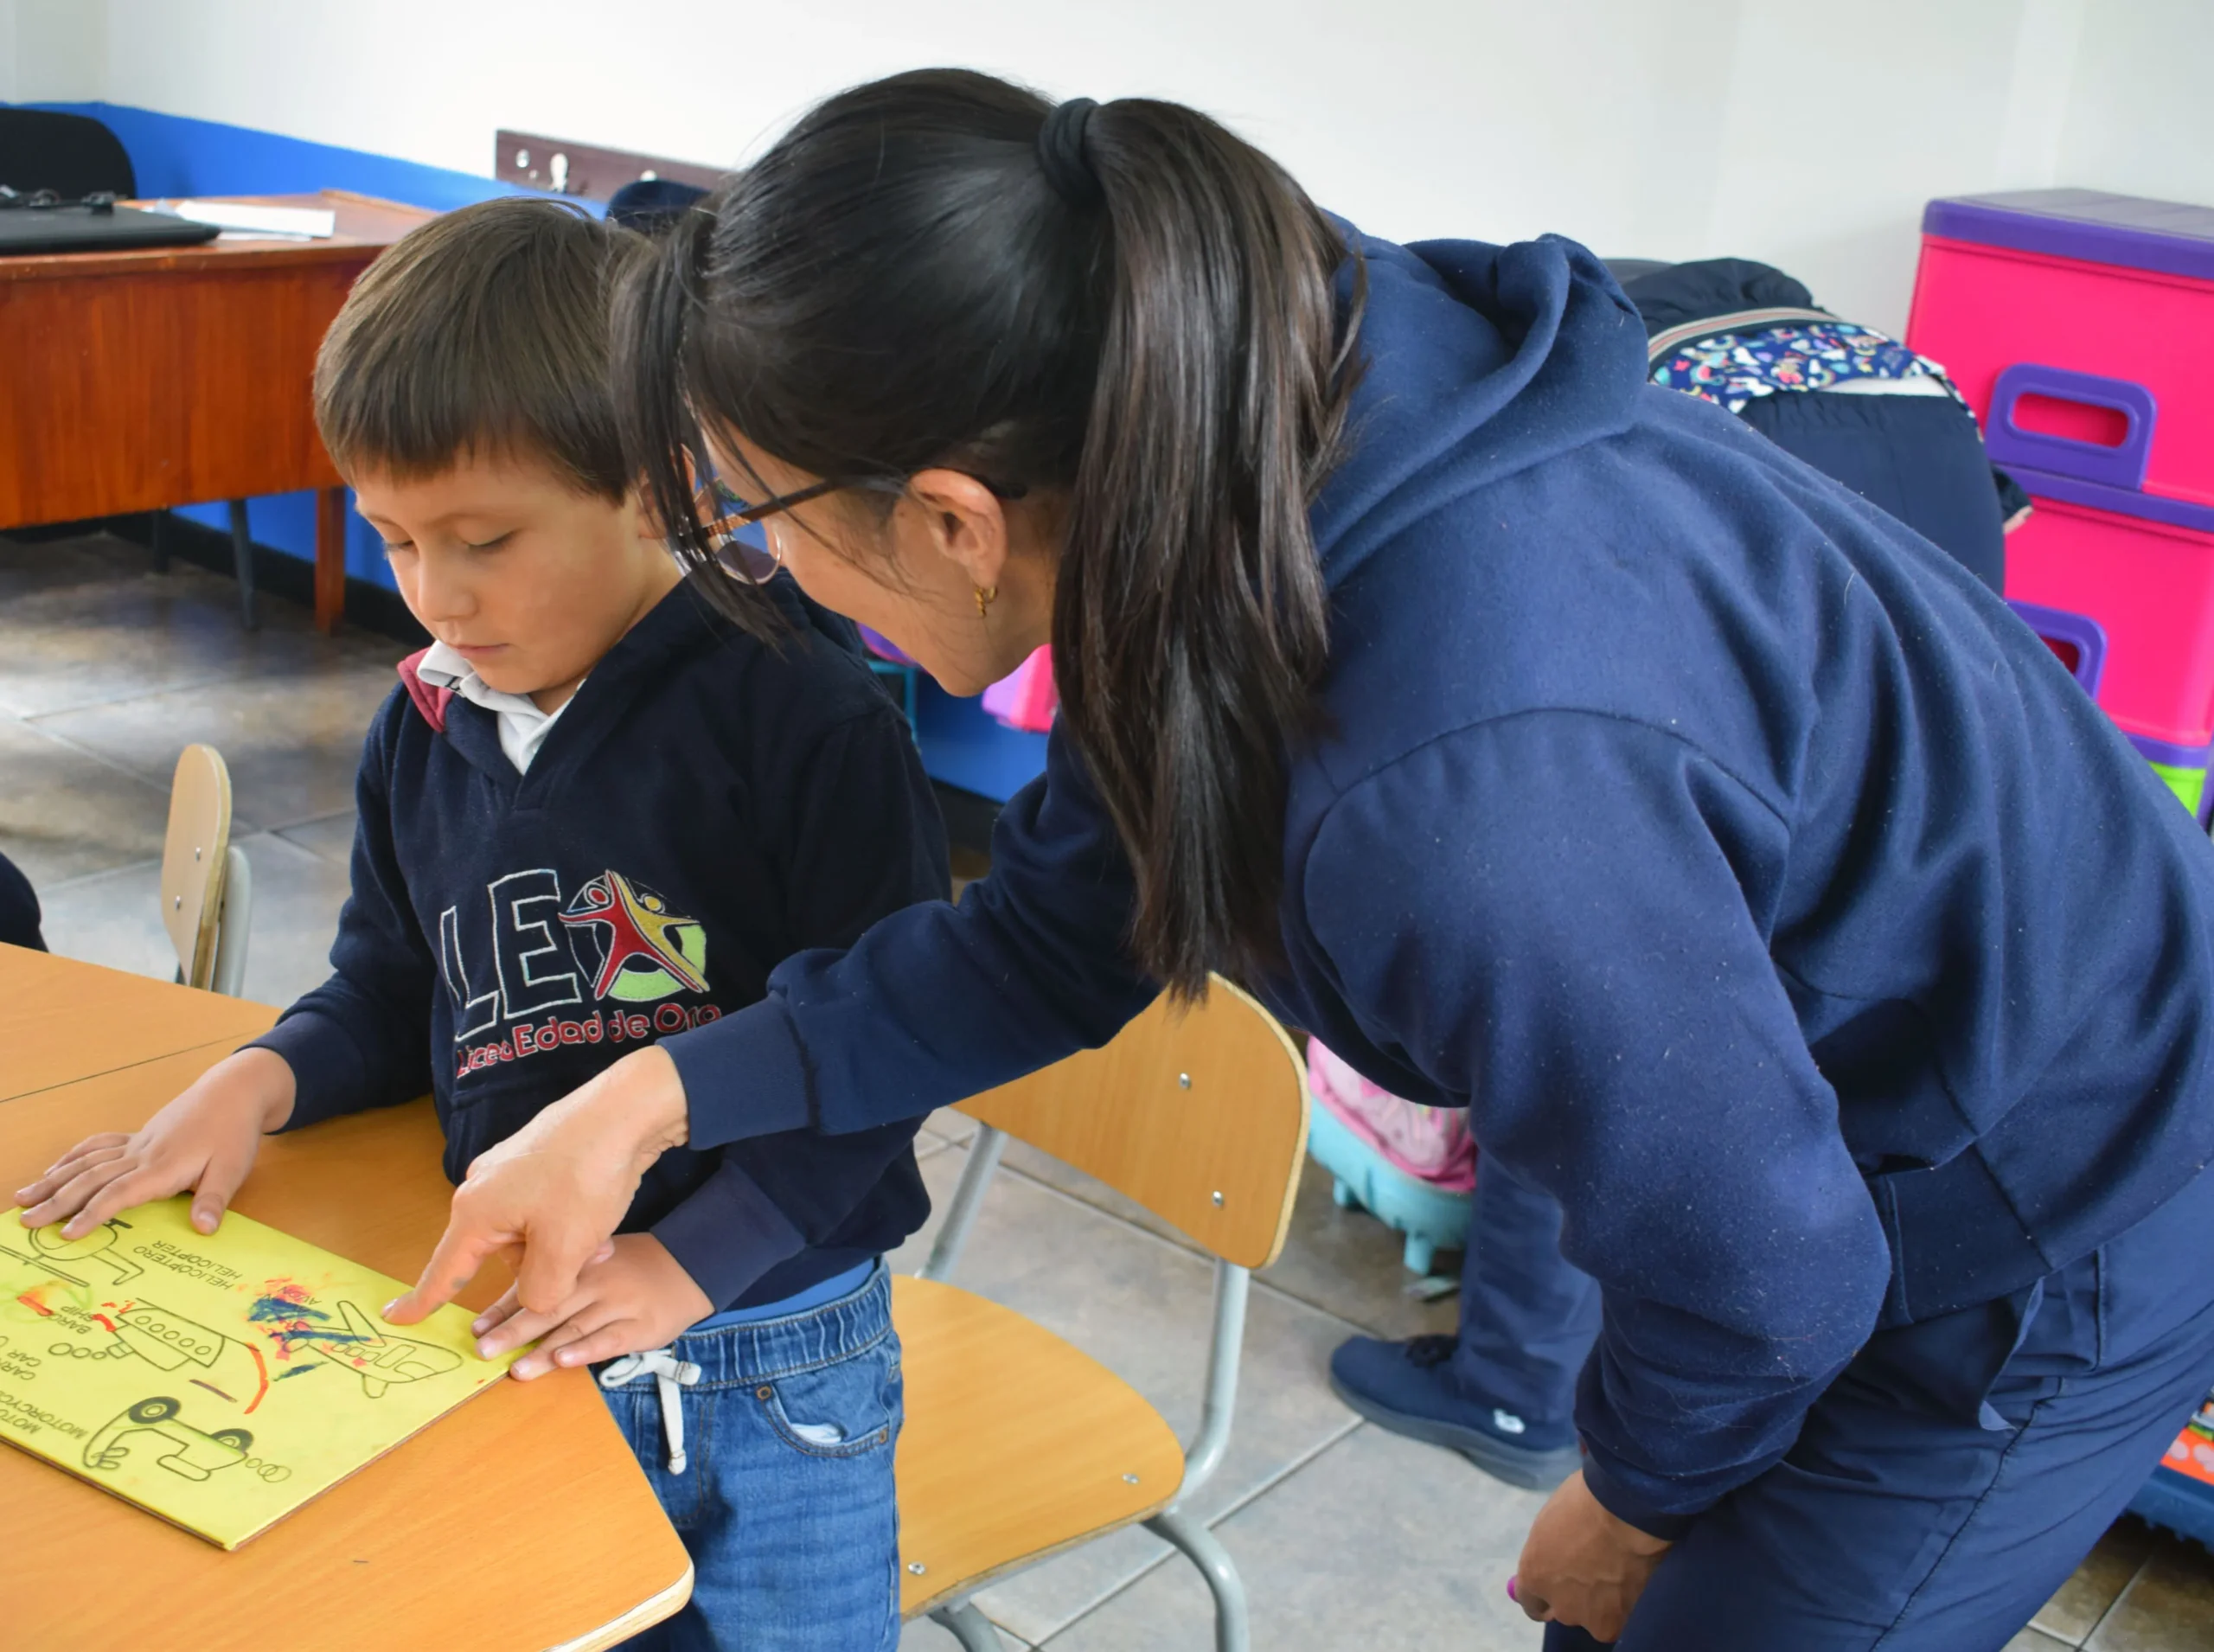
{"x":705,"y":807}
{"x":1767,"y":892}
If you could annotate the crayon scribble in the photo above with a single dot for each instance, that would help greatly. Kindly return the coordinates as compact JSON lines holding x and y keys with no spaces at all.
{"x":261,"y":1370}
{"x":283,"y":1309}
{"x":36,"y":1297}
{"x":283,"y":1305}
{"x":267,"y":1309}
{"x":211,"y":1388}
{"x":296,"y":1371}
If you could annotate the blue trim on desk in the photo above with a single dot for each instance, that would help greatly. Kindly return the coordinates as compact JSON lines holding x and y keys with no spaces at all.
{"x":286,"y":522}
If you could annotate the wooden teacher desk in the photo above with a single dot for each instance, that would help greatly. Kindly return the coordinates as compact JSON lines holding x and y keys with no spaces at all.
{"x":518,"y":1522}
{"x":142,"y":380}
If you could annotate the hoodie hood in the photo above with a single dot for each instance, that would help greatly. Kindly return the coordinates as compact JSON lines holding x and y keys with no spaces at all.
{"x":1478,"y":361}
{"x":431,"y":701}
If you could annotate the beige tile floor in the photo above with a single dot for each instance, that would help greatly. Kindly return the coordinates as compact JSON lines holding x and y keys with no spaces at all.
{"x":1348,"y":1537}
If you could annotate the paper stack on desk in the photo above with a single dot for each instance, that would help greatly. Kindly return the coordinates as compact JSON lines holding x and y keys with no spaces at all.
{"x":243,"y":221}
{"x":218,"y":1382}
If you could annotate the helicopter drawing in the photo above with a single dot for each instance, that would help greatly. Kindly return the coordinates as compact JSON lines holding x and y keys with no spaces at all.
{"x":44,"y":1247}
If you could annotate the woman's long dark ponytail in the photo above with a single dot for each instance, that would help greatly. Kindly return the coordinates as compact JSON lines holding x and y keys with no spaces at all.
{"x":901,"y":282}
{"x":1189,"y":622}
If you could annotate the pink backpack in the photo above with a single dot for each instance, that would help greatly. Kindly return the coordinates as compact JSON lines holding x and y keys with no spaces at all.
{"x":1431,"y":1143}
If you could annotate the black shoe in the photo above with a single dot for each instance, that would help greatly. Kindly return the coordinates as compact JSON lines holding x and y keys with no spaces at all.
{"x":1408,"y":1387}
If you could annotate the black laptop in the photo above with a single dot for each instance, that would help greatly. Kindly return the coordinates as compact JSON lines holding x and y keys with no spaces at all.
{"x":76,"y":226}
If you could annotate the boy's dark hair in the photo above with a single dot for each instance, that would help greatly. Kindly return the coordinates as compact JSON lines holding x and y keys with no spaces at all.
{"x":484,"y":332}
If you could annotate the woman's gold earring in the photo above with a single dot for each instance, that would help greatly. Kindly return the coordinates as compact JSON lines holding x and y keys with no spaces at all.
{"x":985,"y":595}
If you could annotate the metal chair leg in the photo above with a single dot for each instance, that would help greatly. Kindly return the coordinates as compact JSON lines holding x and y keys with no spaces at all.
{"x":984,"y":1150}
{"x":1233,"y":1629}
{"x":242,"y":560}
{"x":157,"y":539}
{"x":970,"y":1627}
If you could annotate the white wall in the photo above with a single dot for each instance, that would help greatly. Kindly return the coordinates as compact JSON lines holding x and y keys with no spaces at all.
{"x":52,"y":48}
{"x":1801,"y":132}
{"x":2142,"y":116}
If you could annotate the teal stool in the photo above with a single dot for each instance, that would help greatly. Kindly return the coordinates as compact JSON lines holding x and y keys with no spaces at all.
{"x":1432,"y":1217}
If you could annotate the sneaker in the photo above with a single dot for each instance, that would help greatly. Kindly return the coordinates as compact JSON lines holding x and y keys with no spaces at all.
{"x":1409,"y":1388}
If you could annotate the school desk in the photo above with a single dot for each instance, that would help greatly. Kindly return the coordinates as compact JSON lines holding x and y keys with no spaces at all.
{"x":61,"y":1020}
{"x":138,"y":381}
{"x":520,"y":1521}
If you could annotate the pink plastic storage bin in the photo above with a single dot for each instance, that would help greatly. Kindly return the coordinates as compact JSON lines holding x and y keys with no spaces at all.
{"x":2148,"y":582}
{"x":2079,"y":327}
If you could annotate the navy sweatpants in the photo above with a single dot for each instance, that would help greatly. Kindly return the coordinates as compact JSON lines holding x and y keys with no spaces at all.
{"x":1950,"y":1480}
{"x":1527,"y":1318}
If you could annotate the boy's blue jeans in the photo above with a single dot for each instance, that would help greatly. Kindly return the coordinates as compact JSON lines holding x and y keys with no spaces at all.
{"x":787,"y":1501}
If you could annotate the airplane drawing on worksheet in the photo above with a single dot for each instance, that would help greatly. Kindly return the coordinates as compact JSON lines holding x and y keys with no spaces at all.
{"x":379,"y":1357}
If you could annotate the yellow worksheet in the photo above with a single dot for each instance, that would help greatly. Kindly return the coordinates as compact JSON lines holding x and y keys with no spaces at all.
{"x":218,"y":1382}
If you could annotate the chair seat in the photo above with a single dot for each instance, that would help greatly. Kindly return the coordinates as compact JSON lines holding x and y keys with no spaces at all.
{"x":1016,"y":1446}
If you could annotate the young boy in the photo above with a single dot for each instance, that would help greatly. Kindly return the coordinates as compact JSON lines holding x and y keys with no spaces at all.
{"x":593,"y":815}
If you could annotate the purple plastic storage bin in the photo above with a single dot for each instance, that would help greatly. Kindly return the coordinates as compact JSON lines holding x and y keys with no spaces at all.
{"x":2079,"y":641}
{"x":2079,"y":327}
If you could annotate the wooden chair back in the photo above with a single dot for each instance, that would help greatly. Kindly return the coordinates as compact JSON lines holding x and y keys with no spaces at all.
{"x":192,"y":861}
{"x":1199,"y":1114}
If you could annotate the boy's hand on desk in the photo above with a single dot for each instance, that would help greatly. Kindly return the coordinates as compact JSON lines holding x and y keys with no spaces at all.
{"x":204,"y":1140}
{"x":632,"y":1297}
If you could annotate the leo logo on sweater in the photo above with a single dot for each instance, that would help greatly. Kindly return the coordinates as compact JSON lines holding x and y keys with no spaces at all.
{"x":644,"y":950}
{"x":615,"y":942}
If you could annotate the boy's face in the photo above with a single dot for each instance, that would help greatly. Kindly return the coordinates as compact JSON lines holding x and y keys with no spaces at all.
{"x":504,"y":561}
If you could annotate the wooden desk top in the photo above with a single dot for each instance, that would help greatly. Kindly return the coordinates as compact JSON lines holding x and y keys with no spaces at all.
{"x":364,"y":223}
{"x":61,"y":1020}
{"x":521,"y":1521}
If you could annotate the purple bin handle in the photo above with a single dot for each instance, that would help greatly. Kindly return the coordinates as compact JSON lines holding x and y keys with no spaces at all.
{"x":2118,"y":467}
{"x":2084,"y":633}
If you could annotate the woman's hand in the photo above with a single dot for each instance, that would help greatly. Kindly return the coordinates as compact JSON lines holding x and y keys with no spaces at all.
{"x":1582,"y":1566}
{"x":557,"y":1188}
{"x":631,"y":1297}
{"x":204,"y":1140}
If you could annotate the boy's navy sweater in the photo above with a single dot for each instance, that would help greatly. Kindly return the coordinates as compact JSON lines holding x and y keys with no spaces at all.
{"x":705,"y":807}
{"x":1769,"y":894}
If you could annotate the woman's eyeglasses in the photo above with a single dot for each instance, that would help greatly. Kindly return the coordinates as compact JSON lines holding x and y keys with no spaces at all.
{"x":722,"y":514}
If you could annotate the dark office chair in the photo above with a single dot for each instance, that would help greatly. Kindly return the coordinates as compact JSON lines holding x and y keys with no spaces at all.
{"x":71,"y":155}
{"x":74,"y":156}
